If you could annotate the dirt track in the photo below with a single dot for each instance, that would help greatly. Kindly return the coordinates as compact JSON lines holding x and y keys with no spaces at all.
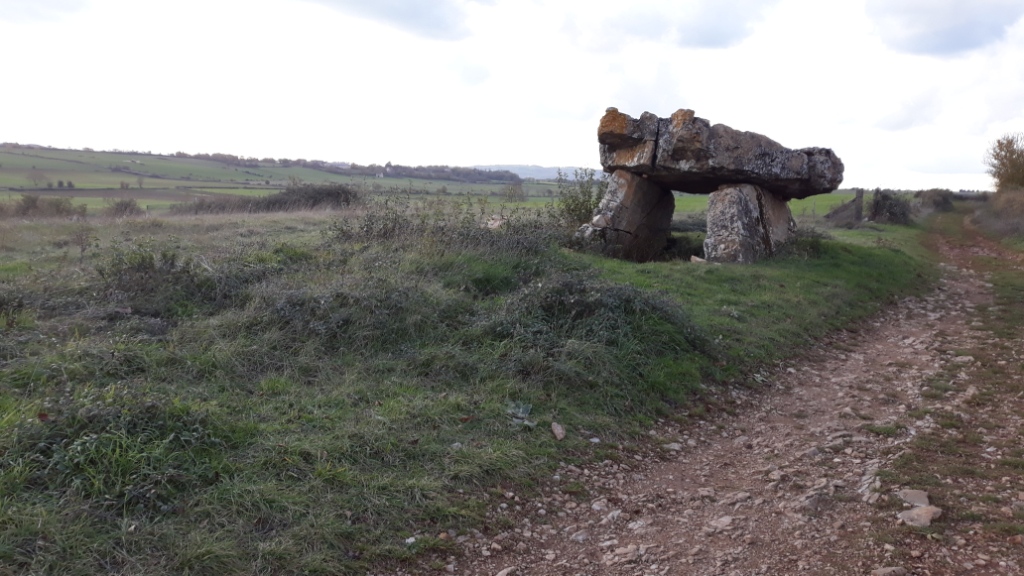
{"x":801,"y":479}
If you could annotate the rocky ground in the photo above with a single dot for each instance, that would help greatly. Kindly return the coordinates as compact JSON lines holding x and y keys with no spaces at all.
{"x":894,"y":449}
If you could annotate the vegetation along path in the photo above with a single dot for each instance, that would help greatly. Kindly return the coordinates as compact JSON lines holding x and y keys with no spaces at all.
{"x":894,"y":449}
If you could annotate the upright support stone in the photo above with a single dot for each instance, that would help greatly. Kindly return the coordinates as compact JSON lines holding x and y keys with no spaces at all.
{"x":633,"y":218}
{"x":745,"y":224}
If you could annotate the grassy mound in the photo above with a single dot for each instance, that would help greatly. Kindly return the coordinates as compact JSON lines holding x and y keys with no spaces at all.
{"x":290,"y":394}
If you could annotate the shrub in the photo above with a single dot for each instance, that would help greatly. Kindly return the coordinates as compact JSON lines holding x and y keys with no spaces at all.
{"x":28,"y":205}
{"x":163,"y":285}
{"x":1005,"y":160}
{"x":579,"y":197}
{"x":936,"y":199}
{"x":169,"y":285}
{"x":297,"y":196}
{"x":124,"y":208}
{"x":1003,"y":215}
{"x":32,"y":206}
{"x":889,"y":207}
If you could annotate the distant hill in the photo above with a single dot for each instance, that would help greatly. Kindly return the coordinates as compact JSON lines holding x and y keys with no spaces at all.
{"x":87,"y":173}
{"x":533,"y":171}
{"x":34,"y":167}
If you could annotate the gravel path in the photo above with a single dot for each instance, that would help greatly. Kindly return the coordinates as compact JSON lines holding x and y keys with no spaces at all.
{"x":796,"y":482}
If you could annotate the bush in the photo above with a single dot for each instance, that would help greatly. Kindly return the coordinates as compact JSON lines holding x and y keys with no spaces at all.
{"x":124,"y":208}
{"x":1003,"y":215}
{"x":890,"y":208}
{"x":579,"y":197}
{"x":297,"y":196}
{"x":32,"y":206}
{"x":936,"y":199}
{"x":169,"y":285}
{"x":1005,"y":161}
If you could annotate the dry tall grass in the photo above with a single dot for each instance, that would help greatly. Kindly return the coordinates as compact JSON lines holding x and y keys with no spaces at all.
{"x":1003,"y":214}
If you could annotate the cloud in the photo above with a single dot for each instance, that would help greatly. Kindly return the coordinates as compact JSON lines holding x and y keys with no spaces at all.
{"x":29,"y":10}
{"x":918,"y":111}
{"x":686,"y":24}
{"x":942,"y":27}
{"x":472,"y":74}
{"x":434,"y":19}
{"x":718,"y":23}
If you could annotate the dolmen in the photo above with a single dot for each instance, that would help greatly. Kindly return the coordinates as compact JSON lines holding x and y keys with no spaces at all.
{"x":750,"y":179}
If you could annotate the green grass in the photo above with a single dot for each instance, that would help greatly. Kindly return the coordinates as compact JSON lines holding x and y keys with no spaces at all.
{"x":301,"y":393}
{"x":11,"y":270}
{"x":758,"y":312}
{"x":812,"y":208}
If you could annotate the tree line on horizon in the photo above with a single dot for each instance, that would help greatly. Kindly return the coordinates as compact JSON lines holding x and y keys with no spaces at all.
{"x":451,"y":173}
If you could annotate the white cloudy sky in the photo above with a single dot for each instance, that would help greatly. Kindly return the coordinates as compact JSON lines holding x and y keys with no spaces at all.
{"x":909,"y":93}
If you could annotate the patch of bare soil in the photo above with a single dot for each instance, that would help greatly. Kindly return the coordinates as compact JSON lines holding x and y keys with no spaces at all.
{"x":811,"y":475}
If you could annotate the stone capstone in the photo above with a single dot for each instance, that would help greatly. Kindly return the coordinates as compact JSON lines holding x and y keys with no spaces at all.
{"x":688,"y":154}
{"x":750,"y":178}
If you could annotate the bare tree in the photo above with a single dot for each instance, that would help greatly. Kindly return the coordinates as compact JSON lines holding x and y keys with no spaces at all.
{"x":515,"y":192}
{"x":37,"y":178}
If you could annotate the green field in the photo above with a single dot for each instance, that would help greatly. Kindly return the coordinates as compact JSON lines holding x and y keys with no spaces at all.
{"x":166,"y":180}
{"x":815,"y":206}
{"x":32,"y":168}
{"x":326,"y":393}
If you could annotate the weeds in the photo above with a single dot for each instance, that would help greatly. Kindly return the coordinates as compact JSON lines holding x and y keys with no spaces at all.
{"x":113,"y":448}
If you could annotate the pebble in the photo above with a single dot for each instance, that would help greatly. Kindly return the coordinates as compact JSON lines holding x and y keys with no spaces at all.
{"x":721,"y":523}
{"x":581,"y":536}
{"x":915,"y":498}
{"x":921,"y":516}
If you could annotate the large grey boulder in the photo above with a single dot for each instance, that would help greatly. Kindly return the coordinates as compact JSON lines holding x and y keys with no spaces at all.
{"x":688,"y":154}
{"x":745,"y":224}
{"x":633,"y":218}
